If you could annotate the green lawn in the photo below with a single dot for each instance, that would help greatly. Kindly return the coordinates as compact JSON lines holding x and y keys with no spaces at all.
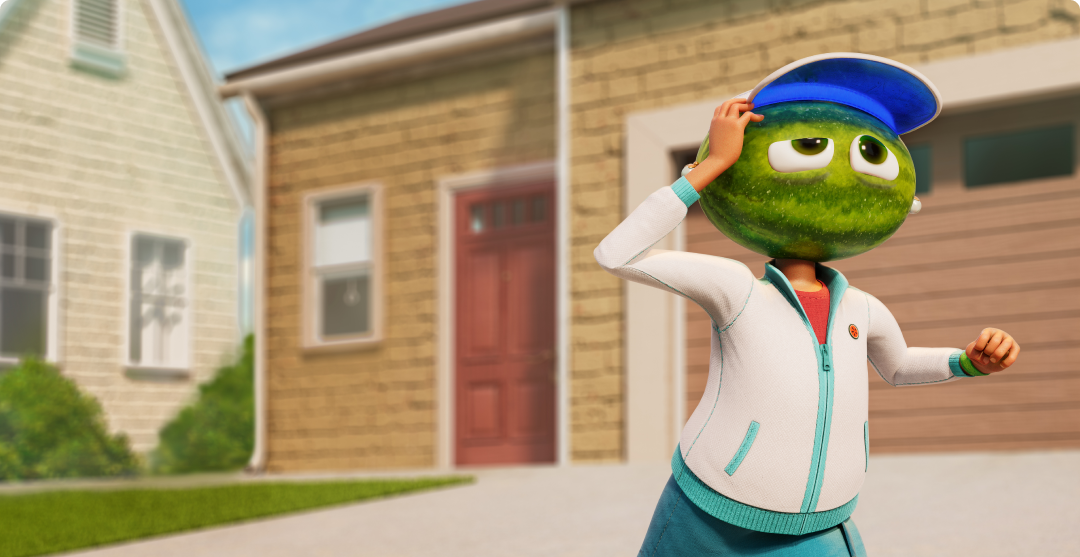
{"x":39,"y":523}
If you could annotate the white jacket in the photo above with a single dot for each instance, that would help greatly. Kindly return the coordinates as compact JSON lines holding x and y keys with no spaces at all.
{"x":779,"y":441}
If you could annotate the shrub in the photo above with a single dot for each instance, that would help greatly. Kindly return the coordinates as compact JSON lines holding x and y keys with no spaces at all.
{"x":217,"y":431}
{"x":50,"y":429}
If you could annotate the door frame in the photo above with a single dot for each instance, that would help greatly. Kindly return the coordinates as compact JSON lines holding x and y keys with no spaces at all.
{"x":445,"y":376}
{"x":654,"y":334}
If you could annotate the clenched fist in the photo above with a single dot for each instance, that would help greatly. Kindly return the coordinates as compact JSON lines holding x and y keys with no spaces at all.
{"x":993,"y":351}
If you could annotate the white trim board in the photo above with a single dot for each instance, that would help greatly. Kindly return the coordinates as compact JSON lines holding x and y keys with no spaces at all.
{"x":655,"y":328}
{"x":454,"y":42}
{"x":1034,"y":72}
{"x":444,"y":368}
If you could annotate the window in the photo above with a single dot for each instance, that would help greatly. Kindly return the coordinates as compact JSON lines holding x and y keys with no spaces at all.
{"x":921,"y":157}
{"x":158,"y":335}
{"x":1018,"y":156}
{"x":343,"y":281}
{"x":25,"y":286}
{"x":96,"y":36}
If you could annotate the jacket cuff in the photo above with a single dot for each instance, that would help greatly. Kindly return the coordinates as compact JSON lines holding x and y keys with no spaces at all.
{"x":954,"y":364}
{"x":685,"y":191}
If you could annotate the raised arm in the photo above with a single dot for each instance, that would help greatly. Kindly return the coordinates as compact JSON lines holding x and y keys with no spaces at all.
{"x":720,"y":286}
{"x":900,"y":365}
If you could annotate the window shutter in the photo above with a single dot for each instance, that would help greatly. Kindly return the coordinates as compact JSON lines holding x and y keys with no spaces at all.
{"x":96,"y":22}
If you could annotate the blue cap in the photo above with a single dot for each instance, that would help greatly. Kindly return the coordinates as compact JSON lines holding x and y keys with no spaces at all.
{"x":899,"y":96}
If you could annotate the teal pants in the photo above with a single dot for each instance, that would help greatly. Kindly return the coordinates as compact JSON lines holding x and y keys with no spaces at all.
{"x":680,"y":529}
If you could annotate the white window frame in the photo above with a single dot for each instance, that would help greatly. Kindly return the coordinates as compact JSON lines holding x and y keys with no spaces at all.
{"x":311,"y":310}
{"x":183,"y":368}
{"x":111,"y":60}
{"x":52,"y":311}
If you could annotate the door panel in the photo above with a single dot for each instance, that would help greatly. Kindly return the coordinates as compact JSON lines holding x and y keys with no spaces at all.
{"x":505,"y":326}
{"x":531,"y":272}
{"x":484,"y":404}
{"x":482,"y":297}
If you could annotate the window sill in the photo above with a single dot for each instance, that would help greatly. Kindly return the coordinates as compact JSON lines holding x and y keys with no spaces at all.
{"x":349,"y":345}
{"x":156,"y":373}
{"x":7,"y":363}
{"x":99,"y":60}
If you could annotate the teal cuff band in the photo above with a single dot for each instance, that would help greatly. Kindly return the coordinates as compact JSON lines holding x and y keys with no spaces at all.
{"x":954,"y":364}
{"x":685,"y":191}
{"x":969,"y":368}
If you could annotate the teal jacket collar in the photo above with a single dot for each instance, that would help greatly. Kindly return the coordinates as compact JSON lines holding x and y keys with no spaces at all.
{"x":832,"y":278}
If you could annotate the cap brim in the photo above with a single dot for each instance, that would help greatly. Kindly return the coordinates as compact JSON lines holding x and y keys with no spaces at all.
{"x":902,"y":98}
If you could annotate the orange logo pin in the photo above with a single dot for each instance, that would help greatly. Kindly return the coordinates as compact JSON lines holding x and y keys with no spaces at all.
{"x":853,"y":331}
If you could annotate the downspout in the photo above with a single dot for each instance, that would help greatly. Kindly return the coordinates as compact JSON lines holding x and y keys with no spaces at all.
{"x":562,"y":233}
{"x":257,"y":464}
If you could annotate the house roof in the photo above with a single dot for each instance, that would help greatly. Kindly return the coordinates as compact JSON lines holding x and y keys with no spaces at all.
{"x":402,"y":29}
{"x":224,"y":136}
{"x":236,"y":162}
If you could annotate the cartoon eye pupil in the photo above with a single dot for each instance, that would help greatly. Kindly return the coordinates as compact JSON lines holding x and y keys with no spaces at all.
{"x":873,"y":151}
{"x":810,"y":145}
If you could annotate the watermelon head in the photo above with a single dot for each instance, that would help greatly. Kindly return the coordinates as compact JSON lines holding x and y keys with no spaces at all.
{"x":816,"y":181}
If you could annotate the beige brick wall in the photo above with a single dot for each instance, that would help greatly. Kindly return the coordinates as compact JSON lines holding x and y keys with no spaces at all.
{"x":376,"y":407}
{"x":633,"y":55}
{"x":106,"y":157}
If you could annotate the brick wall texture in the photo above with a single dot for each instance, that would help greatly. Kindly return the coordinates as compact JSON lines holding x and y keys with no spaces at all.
{"x":376,"y":407}
{"x":106,"y":157}
{"x":635,"y":55}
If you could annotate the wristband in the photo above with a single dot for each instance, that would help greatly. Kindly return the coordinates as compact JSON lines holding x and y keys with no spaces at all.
{"x":968,"y":367}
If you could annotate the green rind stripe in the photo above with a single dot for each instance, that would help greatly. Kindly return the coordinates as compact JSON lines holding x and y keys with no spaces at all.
{"x":748,"y":440}
{"x":754,"y":518}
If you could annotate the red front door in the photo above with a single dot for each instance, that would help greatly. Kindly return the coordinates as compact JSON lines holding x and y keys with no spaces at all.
{"x":505,"y":325}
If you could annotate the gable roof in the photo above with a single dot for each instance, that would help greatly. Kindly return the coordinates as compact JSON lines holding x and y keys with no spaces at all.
{"x":402,"y":29}
{"x":236,"y":162}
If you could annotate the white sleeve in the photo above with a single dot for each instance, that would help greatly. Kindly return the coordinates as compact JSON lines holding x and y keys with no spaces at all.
{"x":720,"y":286}
{"x":900,"y":365}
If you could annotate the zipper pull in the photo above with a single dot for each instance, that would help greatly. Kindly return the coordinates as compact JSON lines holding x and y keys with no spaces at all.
{"x":826,"y":362}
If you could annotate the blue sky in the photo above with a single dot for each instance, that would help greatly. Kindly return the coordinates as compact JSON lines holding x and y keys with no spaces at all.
{"x":240,"y":33}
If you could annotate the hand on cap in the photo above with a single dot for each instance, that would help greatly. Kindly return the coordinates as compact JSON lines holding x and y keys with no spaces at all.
{"x":993,"y":351}
{"x":725,"y":141}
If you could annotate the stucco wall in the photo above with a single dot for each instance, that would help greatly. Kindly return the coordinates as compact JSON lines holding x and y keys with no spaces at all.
{"x":376,"y":407}
{"x":634,"y":55}
{"x":105,"y":157}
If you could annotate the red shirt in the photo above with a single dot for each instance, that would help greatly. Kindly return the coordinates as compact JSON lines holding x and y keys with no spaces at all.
{"x":816,"y":306}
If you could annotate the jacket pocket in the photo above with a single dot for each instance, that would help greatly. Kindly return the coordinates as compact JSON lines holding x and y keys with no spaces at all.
{"x":747,"y":441}
{"x":866,"y":443}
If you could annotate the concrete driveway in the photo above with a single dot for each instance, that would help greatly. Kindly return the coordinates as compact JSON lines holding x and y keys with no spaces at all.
{"x":1001,"y":504}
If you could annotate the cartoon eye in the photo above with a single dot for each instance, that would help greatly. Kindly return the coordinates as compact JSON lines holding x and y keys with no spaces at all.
{"x":810,"y":153}
{"x":870,"y":156}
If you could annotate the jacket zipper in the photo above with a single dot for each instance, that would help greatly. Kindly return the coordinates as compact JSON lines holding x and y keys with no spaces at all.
{"x":826,"y":369}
